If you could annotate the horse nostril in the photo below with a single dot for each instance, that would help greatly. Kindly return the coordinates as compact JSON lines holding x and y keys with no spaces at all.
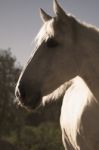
{"x":20,"y":92}
{"x":17,"y":94}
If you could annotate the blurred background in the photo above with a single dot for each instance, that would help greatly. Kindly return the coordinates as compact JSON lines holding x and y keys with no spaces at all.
{"x":19,"y":24}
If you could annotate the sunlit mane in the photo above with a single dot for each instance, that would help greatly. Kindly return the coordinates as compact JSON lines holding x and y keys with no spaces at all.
{"x":76,"y":99}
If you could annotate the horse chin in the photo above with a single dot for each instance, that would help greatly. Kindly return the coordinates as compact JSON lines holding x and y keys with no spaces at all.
{"x":34,"y":104}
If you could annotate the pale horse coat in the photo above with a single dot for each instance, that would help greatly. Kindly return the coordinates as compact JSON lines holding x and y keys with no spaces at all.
{"x":79,"y":56}
{"x":79,"y":117}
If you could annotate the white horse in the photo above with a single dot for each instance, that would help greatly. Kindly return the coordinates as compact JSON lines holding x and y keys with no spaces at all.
{"x":65,"y":48}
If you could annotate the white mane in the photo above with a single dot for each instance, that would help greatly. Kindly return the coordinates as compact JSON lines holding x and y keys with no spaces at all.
{"x":76,"y":100}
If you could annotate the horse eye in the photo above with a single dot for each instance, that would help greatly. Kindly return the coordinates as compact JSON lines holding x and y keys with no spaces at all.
{"x":51,"y":43}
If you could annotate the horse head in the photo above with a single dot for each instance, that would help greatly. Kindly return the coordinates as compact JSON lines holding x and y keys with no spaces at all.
{"x":53,"y":60}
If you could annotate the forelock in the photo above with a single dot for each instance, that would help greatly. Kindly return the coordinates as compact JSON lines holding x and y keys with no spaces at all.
{"x":45,"y":32}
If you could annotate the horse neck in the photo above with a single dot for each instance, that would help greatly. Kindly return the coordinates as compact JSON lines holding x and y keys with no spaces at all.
{"x":89,"y":48}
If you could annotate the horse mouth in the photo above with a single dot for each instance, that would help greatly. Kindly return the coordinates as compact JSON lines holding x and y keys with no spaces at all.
{"x":29,"y":103}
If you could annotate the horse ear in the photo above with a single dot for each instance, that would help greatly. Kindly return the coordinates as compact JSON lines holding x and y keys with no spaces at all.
{"x":57,"y":9}
{"x":44,"y":16}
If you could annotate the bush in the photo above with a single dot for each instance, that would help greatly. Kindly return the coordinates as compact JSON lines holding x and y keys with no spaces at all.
{"x":46,"y":136}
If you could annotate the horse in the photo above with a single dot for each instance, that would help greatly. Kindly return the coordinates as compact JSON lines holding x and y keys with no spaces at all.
{"x":66,"y":52}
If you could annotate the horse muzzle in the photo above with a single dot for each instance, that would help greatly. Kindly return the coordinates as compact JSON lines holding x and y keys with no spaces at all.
{"x":27,"y":100}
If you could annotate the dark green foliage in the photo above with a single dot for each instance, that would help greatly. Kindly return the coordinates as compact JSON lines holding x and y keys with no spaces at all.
{"x":8,"y":76}
{"x":19,"y":129}
{"x":44,"y":137}
{"x":5,"y":145}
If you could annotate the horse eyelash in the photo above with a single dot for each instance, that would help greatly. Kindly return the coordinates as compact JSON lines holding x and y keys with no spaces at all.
{"x":51,"y":43}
